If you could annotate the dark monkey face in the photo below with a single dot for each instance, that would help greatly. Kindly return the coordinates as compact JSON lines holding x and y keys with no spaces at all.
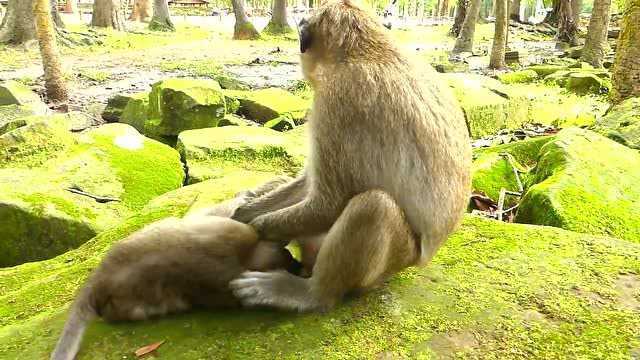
{"x":304,"y":33}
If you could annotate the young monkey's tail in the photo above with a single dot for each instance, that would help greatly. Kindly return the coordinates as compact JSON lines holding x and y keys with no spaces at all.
{"x":80,"y":314}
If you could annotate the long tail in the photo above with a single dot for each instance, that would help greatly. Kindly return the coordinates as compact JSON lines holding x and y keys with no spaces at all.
{"x":69,"y":344}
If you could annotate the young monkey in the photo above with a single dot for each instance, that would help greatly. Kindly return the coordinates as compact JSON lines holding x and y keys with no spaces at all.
{"x":171,"y":266}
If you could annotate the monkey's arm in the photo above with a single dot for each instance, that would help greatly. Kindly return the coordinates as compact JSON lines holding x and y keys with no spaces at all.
{"x":313,"y":215}
{"x":283,"y":196}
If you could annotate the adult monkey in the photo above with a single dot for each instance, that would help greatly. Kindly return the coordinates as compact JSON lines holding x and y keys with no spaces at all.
{"x":388,"y":175}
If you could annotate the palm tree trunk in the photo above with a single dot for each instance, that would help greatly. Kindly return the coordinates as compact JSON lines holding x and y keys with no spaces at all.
{"x":596,"y":45}
{"x":464,"y":42}
{"x":109,"y":14}
{"x":497,"y":60}
{"x":54,"y":84}
{"x":243,"y":28}
{"x":161,"y":20}
{"x":18,"y":25}
{"x":626,"y":68}
{"x":278,"y":23}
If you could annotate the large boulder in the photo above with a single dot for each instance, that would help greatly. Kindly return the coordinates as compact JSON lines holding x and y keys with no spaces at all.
{"x":212,"y":152}
{"x":523,"y":76}
{"x":115,"y":106}
{"x":182,"y":104}
{"x":587,"y":183}
{"x":268,"y":104}
{"x":622,"y":123}
{"x":12,"y":117}
{"x":58,"y":189}
{"x":15,"y":93}
{"x":494,"y":290}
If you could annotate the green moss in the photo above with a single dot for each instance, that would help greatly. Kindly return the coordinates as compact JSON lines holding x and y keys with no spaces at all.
{"x":11,"y":117}
{"x":524,"y":76}
{"x":622,"y":123}
{"x":15,"y":93}
{"x":587,"y":183}
{"x":492,"y":172}
{"x":115,"y":106}
{"x":277,"y":29}
{"x":513,"y":291}
{"x":211,"y":153}
{"x":546,"y":69}
{"x":267,"y":104}
{"x":136,"y":111}
{"x":158,"y":25}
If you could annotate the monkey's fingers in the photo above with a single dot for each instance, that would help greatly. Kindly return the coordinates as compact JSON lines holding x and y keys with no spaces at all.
{"x":277,"y":289}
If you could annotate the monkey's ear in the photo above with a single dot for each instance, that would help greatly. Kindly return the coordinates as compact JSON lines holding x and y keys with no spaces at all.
{"x":305,"y":35}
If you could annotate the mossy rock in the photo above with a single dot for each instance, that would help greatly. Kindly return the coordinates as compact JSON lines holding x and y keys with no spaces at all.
{"x":41,"y":212}
{"x":493,"y":291}
{"x":546,"y":69}
{"x":524,"y":152}
{"x":488,"y":105}
{"x":182,"y":104}
{"x":15,"y":93}
{"x":233,"y":120}
{"x":212,"y":152}
{"x":622,"y":123}
{"x":277,"y":29}
{"x":267,"y":104}
{"x":587,"y":183}
{"x":12,"y":116}
{"x":492,"y":172}
{"x":136,"y":111}
{"x":281,"y":123}
{"x":586,"y":83}
{"x":516,"y":77}
{"x":115,"y":107}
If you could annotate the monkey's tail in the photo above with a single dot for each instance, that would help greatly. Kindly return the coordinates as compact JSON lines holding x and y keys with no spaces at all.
{"x":69,"y":344}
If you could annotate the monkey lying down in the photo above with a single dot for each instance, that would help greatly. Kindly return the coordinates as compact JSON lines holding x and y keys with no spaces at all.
{"x":175,"y":264}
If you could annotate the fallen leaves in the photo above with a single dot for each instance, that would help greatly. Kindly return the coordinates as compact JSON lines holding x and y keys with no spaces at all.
{"x":148,"y":349}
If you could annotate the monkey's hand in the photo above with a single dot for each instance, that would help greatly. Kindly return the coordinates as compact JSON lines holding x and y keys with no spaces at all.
{"x":262,"y":225}
{"x":277,"y":289}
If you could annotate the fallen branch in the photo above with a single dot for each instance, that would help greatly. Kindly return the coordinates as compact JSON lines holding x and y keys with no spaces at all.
{"x":97,"y":198}
{"x":516,"y":172}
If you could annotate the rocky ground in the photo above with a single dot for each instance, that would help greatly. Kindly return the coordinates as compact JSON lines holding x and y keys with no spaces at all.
{"x":559,"y":277}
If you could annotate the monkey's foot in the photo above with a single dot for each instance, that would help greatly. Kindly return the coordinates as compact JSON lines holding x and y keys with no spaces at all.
{"x":277,"y":289}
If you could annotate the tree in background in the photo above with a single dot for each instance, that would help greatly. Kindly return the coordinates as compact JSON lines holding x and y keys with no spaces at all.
{"x":444,"y":8}
{"x":108,"y":14}
{"x":464,"y":41}
{"x":461,"y":12}
{"x":17,"y":25}
{"x":497,"y":60}
{"x":278,"y":23}
{"x":141,"y":10}
{"x":55,"y":14}
{"x":626,"y":68}
{"x":46,"y":33}
{"x":243,"y":28}
{"x":596,"y":45}
{"x":567,"y":27}
{"x":161,"y":20}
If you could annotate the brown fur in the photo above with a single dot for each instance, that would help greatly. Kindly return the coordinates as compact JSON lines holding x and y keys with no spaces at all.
{"x":389,"y":171}
{"x":170,"y":266}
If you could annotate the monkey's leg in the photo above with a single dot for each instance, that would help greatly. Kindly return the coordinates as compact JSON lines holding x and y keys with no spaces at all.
{"x":370,"y":241}
{"x":281,"y":197}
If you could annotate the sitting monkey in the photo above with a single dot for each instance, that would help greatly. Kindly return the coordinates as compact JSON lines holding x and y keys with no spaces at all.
{"x":172,"y":265}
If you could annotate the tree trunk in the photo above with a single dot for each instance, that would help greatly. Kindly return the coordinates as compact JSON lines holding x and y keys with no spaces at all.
{"x":161,"y":20}
{"x":500,"y":37}
{"x":576,"y":9}
{"x":552,"y":16}
{"x":55,"y":14}
{"x":567,"y":28}
{"x":53,"y":82}
{"x":464,"y":41}
{"x":596,"y":45}
{"x":461,"y":12}
{"x":514,"y":10}
{"x":243,"y":28}
{"x":445,"y":8}
{"x":108,"y":14}
{"x":18,"y":26}
{"x":626,"y":69}
{"x":437,"y":10}
{"x":278,"y":23}
{"x":141,"y":10}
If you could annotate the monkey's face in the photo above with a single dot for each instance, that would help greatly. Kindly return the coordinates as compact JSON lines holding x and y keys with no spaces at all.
{"x":307,"y":59}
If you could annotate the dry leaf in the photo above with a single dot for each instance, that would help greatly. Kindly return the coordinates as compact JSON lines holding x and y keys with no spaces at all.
{"x":149,"y":348}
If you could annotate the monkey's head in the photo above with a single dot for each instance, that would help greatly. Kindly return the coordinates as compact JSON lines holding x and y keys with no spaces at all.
{"x":340,"y":32}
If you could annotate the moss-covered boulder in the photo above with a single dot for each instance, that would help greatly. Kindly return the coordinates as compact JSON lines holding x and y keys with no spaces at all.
{"x":182,"y":104}
{"x":267,"y":104}
{"x":15,"y":93}
{"x":59,"y":189}
{"x":12,"y":116}
{"x":586,"y":83}
{"x":495,"y":290}
{"x":115,"y":106}
{"x":492,"y":172}
{"x":516,"y":77}
{"x":546,"y":69}
{"x":212,"y":152}
{"x":136,"y":111}
{"x":587,"y":183}
{"x":622,"y":123}
{"x":281,"y":123}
